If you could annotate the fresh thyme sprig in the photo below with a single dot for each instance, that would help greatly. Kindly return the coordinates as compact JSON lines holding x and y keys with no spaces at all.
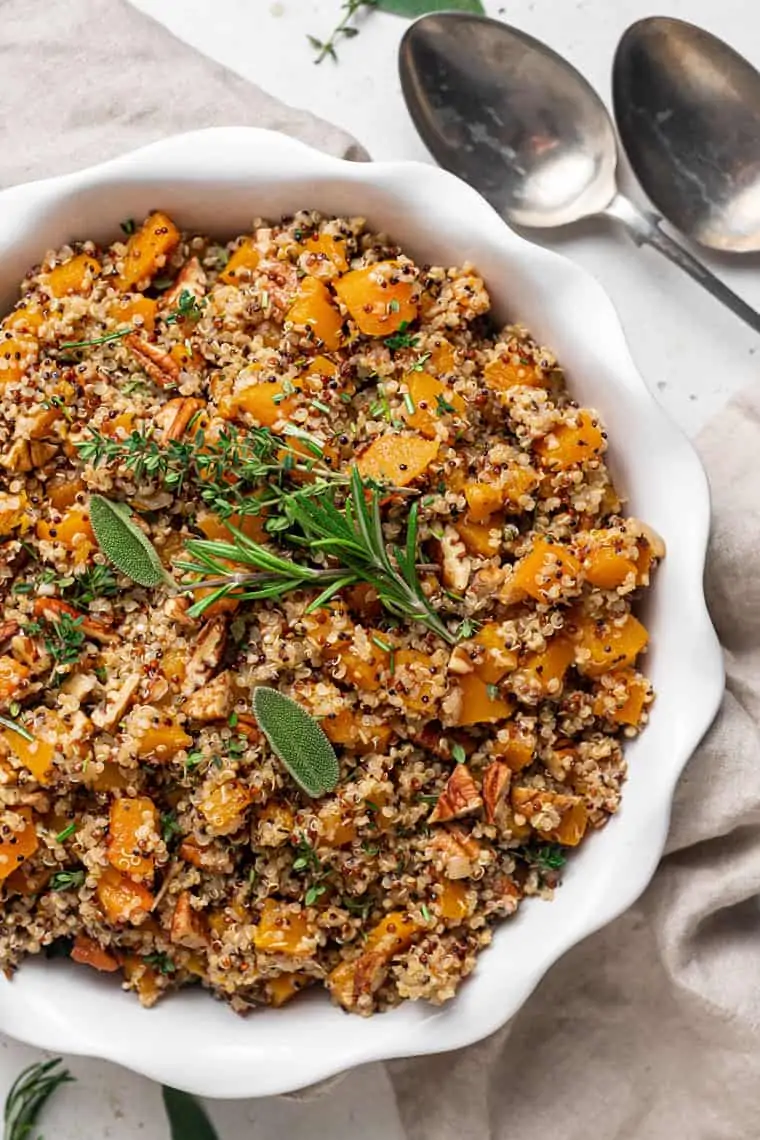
{"x":64,"y":637}
{"x":223,"y":471}
{"x":351,"y":535}
{"x":29,"y":1094}
{"x":344,"y":28}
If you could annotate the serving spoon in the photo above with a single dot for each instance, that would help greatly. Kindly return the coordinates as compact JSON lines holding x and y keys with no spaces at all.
{"x":522,"y":126}
{"x":688,"y":112}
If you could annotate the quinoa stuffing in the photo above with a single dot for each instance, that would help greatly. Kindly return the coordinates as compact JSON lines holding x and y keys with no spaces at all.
{"x":297,"y":465}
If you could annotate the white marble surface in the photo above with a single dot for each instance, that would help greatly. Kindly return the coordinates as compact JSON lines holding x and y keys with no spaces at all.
{"x":692,"y":353}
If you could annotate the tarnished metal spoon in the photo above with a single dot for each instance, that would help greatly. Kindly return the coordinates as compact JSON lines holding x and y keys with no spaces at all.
{"x":688,"y":112}
{"x":521,"y":125}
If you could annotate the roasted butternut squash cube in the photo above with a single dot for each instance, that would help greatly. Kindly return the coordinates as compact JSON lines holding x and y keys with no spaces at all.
{"x":483,"y":500}
{"x":515,"y":744}
{"x":13,"y":679}
{"x":327,"y":247}
{"x":545,"y":671}
{"x":397,"y":459}
{"x":504,"y":373}
{"x":568,"y":445}
{"x":336,"y":826}
{"x":163,"y":741}
{"x":21,"y":840}
{"x":37,"y":755}
{"x":73,"y":531}
{"x":74,"y":276}
{"x":622,"y":696}
{"x":603,"y":645}
{"x":142,"y":978}
{"x":548,"y":573}
{"x":268,"y":402}
{"x":608,"y":569}
{"x":17,"y":354}
{"x":496,"y":660}
{"x":481,"y":539}
{"x":356,"y":731}
{"x":453,"y":901}
{"x":377,"y":300}
{"x":122,"y":899}
{"x":25,"y":318}
{"x":433,"y":403}
{"x":132,"y":836}
{"x":413,"y":677}
{"x":480,"y":705}
{"x":147,"y":251}
{"x":241,"y":264}
{"x":313,"y":309}
{"x":283,"y":987}
{"x":538,"y":806}
{"x":283,"y":928}
{"x":252,"y":526}
{"x":134,"y":305}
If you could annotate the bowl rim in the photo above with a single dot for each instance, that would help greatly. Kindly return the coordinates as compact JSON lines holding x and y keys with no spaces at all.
{"x":235,"y":152}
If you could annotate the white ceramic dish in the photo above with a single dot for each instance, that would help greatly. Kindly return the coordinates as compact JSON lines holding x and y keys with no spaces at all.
{"x":217,"y":181}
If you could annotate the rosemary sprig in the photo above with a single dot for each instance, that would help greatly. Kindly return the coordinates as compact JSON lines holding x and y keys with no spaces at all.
{"x":29,"y":1094}
{"x":97,"y":339}
{"x":352,"y":535}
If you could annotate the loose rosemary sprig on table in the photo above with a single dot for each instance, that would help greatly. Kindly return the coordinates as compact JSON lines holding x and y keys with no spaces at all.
{"x":351,"y":535}
{"x":29,"y":1094}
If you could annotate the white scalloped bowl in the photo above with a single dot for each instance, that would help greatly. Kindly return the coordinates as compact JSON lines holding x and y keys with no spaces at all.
{"x":217,"y":181}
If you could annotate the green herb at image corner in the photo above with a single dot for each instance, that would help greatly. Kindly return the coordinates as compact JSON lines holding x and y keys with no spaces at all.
{"x":346,"y":28}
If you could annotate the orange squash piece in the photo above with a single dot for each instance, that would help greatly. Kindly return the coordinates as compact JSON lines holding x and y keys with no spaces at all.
{"x":397,"y":459}
{"x":546,"y":670}
{"x":623,"y":701}
{"x":163,"y":741}
{"x":377,"y":304}
{"x":313,"y":309}
{"x":432,"y":401}
{"x":142,"y":978}
{"x":147,"y":251}
{"x":443,"y":358}
{"x":129,"y":852}
{"x":501,"y":375}
{"x":127,"y":308}
{"x":518,"y":481}
{"x":543,"y":569}
{"x":73,"y":276}
{"x":37,"y":755}
{"x":412,"y":677}
{"x":266,"y":401}
{"x":330,"y":247}
{"x":568,"y":446}
{"x":353,"y":730}
{"x":283,"y":987}
{"x":452,"y":901}
{"x":478,"y":707}
{"x":602,"y":646}
{"x":531,"y":802}
{"x":336,"y":828}
{"x":20,"y":843}
{"x":122,"y":899}
{"x":73,"y":531}
{"x":497,"y":660}
{"x":283,"y":929}
{"x":111,"y":779}
{"x":61,"y":492}
{"x":241,"y":264}
{"x":88,"y":952}
{"x":483,"y":500}
{"x":17,"y":353}
{"x":251,"y":525}
{"x":481,"y":539}
{"x":13,"y":677}
{"x":25,"y":318}
{"x":515,"y":745}
{"x":225,"y":806}
{"x":607,"y":569}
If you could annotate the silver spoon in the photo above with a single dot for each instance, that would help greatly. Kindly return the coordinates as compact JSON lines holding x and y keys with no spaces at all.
{"x":688,"y":112}
{"x":521,"y":125}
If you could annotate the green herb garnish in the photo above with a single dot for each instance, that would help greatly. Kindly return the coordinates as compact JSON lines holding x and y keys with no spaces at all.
{"x":297,"y":740}
{"x":443,"y":407}
{"x":493,"y":692}
{"x":67,"y":832}
{"x":188,"y":308}
{"x":169,"y":827}
{"x":161,"y":961}
{"x":425,"y":912}
{"x":420,"y":362}
{"x":128,"y":226}
{"x":187,"y":1118}
{"x":67,"y":880}
{"x":123,"y":542}
{"x":64,"y":637}
{"x":14,"y":726}
{"x":401,"y":339}
{"x":458,"y":754}
{"x":97,"y":339}
{"x":547,"y":857}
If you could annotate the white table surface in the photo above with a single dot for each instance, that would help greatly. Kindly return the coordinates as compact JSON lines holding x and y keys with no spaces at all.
{"x":693,"y":354}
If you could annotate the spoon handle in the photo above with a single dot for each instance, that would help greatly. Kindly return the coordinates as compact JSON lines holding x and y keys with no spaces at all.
{"x":645,"y":229}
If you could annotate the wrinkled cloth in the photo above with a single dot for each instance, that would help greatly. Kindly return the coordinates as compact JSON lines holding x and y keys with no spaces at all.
{"x":649,"y":1030}
{"x":86,"y":80}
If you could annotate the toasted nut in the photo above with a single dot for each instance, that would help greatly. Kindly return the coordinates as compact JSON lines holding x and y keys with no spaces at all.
{"x":41,"y":452}
{"x":107,"y":716}
{"x":176,"y":610}
{"x":214,"y":701}
{"x":162,"y":368}
{"x":190,"y":279}
{"x":460,"y":798}
{"x":457,"y":852}
{"x":206,"y":656}
{"x":496,"y":779}
{"x":456,"y":565}
{"x":19,"y":458}
{"x":8,"y":629}
{"x":460,"y":661}
{"x":25,"y":650}
{"x":188,"y":928}
{"x":174,"y":417}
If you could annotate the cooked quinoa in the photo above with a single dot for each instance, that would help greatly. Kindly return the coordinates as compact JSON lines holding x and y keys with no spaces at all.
{"x":148,"y":828}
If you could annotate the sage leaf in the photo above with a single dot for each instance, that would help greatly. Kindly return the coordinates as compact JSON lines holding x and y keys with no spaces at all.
{"x":187,"y":1117}
{"x":413,"y":8}
{"x":123,"y":542}
{"x":297,"y":740}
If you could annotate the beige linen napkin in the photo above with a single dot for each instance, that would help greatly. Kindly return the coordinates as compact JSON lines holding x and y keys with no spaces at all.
{"x":650,"y":1029}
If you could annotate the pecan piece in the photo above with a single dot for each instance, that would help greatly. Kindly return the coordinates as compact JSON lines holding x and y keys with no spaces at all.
{"x":188,"y":928}
{"x":460,"y":797}
{"x":213,"y":701}
{"x":206,"y":656}
{"x":457,"y":852}
{"x":175,"y":416}
{"x":496,"y":780}
{"x":190,"y":279}
{"x":162,"y":368}
{"x":52,"y":609}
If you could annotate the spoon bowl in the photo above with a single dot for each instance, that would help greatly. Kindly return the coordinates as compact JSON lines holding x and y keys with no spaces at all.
{"x":688,"y":111}
{"x":524,"y":128}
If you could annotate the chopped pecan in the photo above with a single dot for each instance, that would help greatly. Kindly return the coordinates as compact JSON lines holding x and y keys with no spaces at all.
{"x":461,"y":797}
{"x":25,"y":650}
{"x":176,"y":610}
{"x":496,"y":780}
{"x":206,"y":656}
{"x":27,"y":455}
{"x":457,"y":852}
{"x":214,"y":701}
{"x":456,"y":564}
{"x":175,"y":416}
{"x":162,"y":368}
{"x":8,"y":629}
{"x":188,"y":928}
{"x":190,"y":279}
{"x":460,"y":661}
{"x":118,"y":701}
